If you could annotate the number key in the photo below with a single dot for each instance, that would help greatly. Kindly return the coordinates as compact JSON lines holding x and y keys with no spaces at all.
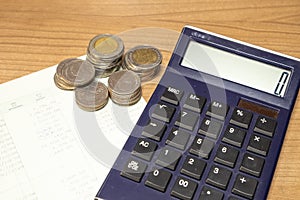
{"x":178,"y":138}
{"x":158,"y":179}
{"x":226,"y":155}
{"x":187,"y":120}
{"x":210,"y":128}
{"x":218,"y":177}
{"x":193,"y":167}
{"x":184,"y":188}
{"x":202,"y":147}
{"x":234,"y":136}
{"x":168,"y":158}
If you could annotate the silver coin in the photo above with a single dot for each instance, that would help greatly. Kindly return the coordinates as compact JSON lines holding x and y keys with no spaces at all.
{"x":124,"y":82}
{"x":76,"y":72}
{"x":92,"y":97}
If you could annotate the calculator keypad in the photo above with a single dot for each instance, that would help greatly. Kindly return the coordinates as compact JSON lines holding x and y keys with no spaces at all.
{"x":183,"y":141}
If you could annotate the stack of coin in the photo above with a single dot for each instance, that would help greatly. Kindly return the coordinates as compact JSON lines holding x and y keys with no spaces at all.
{"x":92,"y":97}
{"x":105,"y":52}
{"x":124,"y":87}
{"x":72,"y":73}
{"x":143,"y":60}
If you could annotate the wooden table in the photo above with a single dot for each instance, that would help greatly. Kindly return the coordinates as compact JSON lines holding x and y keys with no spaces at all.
{"x":36,"y":34}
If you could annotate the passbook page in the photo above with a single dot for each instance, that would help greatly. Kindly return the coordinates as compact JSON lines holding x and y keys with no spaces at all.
{"x":48,"y":146}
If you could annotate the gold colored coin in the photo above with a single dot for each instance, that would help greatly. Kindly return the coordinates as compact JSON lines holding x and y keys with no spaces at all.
{"x":144,"y":56}
{"x":106,"y":45}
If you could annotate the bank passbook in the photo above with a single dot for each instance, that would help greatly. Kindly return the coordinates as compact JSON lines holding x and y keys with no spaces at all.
{"x":214,"y":126}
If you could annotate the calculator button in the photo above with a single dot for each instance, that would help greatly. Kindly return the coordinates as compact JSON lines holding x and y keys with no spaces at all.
{"x":158,"y":179}
{"x":217,"y":110}
{"x":134,"y":170}
{"x":168,"y":158}
{"x":265,"y":126}
{"x":187,"y":120}
{"x":234,"y":136}
{"x":244,"y":186}
{"x":163,"y":112}
{"x":154,"y":130}
{"x":241,"y":118}
{"x":226,"y":155}
{"x":252,"y":164}
{"x":178,"y":138}
{"x":210,"y":128}
{"x":144,"y":149}
{"x":208,"y":193}
{"x":193,"y":167}
{"x":259,"y":144}
{"x":172,"y":95}
{"x":184,"y":188}
{"x":202,"y":147}
{"x":218,"y":177}
{"x":194,"y":103}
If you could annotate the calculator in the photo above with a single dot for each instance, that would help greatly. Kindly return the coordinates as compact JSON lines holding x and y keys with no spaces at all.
{"x":214,"y":126}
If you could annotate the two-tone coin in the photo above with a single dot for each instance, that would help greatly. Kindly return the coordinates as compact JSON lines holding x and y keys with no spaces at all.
{"x":92,"y":97}
{"x":105,"y":53}
{"x":72,"y":73}
{"x":144,"y":61}
{"x":124,"y":87}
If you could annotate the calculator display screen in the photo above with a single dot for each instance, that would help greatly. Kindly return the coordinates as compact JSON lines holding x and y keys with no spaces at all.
{"x":235,"y":68}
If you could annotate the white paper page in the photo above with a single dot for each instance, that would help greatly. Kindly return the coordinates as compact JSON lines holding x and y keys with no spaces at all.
{"x":42,"y":154}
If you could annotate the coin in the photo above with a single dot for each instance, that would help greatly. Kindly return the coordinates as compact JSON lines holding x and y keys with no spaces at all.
{"x":144,"y":56}
{"x":106,"y":45}
{"x":105,"y":52}
{"x":92,"y":97}
{"x":77,"y":72}
{"x":124,"y":87}
{"x":143,"y":60}
{"x":124,"y":82}
{"x":73,"y":72}
{"x":61,"y":84}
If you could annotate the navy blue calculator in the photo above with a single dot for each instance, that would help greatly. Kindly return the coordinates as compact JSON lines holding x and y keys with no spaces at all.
{"x":214,"y":126}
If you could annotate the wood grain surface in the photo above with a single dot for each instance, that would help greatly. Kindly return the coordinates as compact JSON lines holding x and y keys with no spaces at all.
{"x":35,"y":34}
